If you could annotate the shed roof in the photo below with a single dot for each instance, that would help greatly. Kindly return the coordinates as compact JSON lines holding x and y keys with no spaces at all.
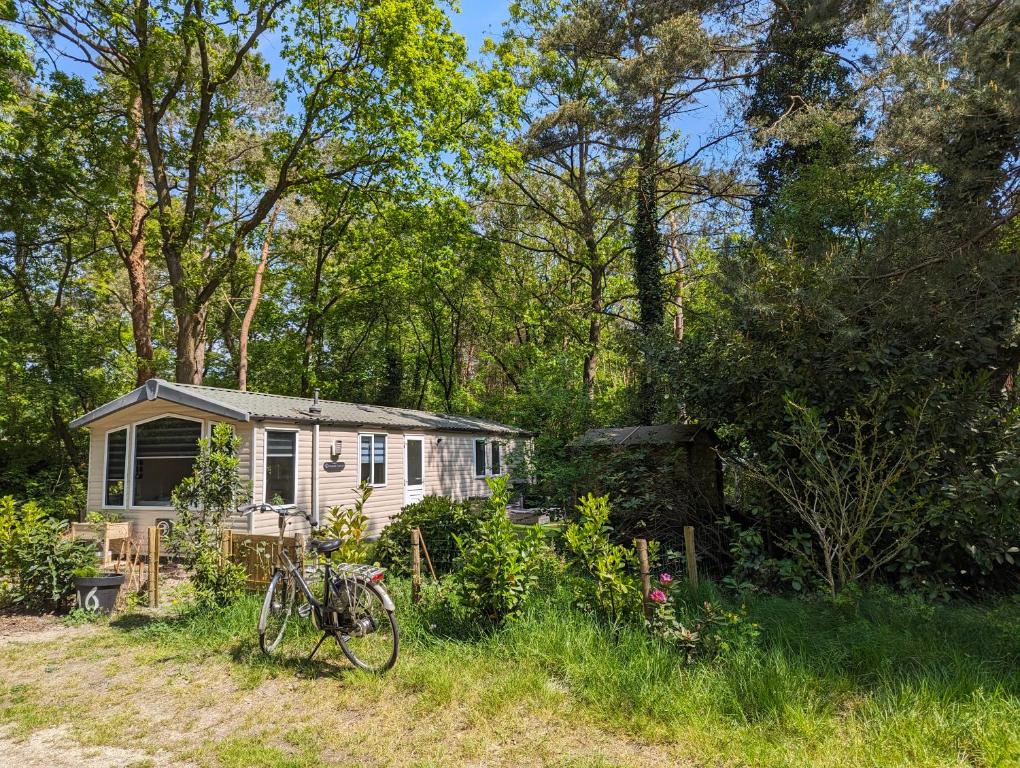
{"x":246,"y":406}
{"x":664,"y":434}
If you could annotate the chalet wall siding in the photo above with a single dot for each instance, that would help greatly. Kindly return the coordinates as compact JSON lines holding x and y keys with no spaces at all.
{"x":143,"y":517}
{"x":448,"y":466}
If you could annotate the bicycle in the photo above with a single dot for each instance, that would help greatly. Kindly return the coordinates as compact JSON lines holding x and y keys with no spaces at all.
{"x":355,"y":608}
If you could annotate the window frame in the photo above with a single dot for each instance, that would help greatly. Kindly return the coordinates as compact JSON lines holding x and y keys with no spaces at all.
{"x":495,"y":449}
{"x":485,"y":458}
{"x":204,"y":432}
{"x":265,"y":458}
{"x":128,"y":464}
{"x":371,"y":458}
{"x":421,"y":439}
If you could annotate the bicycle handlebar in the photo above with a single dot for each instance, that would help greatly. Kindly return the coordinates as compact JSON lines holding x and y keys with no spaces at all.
{"x":284,"y":510}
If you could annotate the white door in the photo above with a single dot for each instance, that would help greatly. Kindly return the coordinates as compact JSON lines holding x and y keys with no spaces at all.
{"x":414,"y":468}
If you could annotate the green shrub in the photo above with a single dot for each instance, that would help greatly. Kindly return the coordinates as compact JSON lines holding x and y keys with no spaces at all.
{"x":37,"y":563}
{"x":203,"y":502}
{"x":698,"y":629}
{"x":604,"y":571}
{"x":440,"y":520}
{"x":499,"y":566}
{"x":349,"y":525}
{"x":216,"y":580}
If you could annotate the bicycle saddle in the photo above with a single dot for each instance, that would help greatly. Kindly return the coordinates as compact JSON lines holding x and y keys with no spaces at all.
{"x":325,"y":546}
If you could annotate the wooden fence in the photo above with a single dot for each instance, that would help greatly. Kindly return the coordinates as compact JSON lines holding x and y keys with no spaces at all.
{"x":258,"y":554}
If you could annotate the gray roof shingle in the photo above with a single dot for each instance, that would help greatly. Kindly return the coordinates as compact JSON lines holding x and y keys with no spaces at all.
{"x":257,"y":405}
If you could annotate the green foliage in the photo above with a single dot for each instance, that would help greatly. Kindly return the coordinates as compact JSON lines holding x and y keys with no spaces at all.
{"x":349,"y":525}
{"x":864,"y":495}
{"x":697,"y":629}
{"x":37,"y":560}
{"x":441,"y":520}
{"x":203,"y":502}
{"x":208,"y":497}
{"x":499,"y":566}
{"x":216,"y":580}
{"x":606,"y":570}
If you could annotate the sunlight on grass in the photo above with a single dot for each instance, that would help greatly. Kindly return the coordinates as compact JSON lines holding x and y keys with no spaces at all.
{"x":885,"y":682}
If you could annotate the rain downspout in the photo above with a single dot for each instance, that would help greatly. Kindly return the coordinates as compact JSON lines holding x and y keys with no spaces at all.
{"x":315,"y":409}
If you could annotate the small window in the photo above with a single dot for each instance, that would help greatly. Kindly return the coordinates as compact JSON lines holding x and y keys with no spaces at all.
{"x":116,"y":468}
{"x":281,"y":467}
{"x":496,"y":465}
{"x":165,"y":451}
{"x":479,"y":458}
{"x":372,"y":458}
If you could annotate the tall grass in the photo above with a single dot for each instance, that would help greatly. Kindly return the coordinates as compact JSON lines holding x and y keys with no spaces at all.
{"x":884,"y":681}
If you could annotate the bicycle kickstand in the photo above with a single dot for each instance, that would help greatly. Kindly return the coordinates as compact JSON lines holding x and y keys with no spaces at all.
{"x":317,"y":645}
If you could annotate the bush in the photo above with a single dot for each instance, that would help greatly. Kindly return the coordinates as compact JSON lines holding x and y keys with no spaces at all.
{"x":498,"y":566}
{"x":37,"y":562}
{"x":217,"y":581}
{"x":349,"y":525}
{"x":203,"y":502}
{"x":605,"y":582}
{"x":699,"y":630}
{"x":440,"y":520}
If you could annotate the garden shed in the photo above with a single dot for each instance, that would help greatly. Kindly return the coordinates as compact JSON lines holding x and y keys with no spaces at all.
{"x":659,"y":478}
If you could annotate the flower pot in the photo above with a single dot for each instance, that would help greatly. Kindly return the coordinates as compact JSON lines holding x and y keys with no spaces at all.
{"x":98,"y":593}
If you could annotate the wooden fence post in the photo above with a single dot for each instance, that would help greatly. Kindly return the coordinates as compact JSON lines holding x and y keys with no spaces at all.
{"x":225,"y":542}
{"x":415,"y":565}
{"x":646,"y":581}
{"x":692,"y":563}
{"x":299,"y":550}
{"x":153,"y":567}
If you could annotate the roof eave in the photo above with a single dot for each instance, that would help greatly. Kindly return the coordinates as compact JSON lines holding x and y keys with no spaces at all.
{"x":156,"y":389}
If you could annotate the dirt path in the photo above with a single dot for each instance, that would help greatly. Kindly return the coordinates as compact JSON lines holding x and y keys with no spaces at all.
{"x":56,"y":748}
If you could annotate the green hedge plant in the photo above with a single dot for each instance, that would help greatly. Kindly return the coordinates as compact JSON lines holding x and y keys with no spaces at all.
{"x":37,"y":560}
{"x":441,"y":520}
{"x":499,"y":566}
{"x":603,"y":572}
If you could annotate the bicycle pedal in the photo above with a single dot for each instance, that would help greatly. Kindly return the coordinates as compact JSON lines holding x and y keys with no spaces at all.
{"x":304,"y":611}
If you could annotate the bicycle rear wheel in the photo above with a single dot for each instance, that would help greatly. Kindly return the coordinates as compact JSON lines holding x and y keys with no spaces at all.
{"x":277,"y":608}
{"x":370,"y":638}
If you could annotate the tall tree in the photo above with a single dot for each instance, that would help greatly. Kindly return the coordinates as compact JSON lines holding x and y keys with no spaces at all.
{"x":381,"y":84}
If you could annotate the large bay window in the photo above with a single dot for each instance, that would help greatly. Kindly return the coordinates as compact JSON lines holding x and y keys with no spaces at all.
{"x":372,"y":458}
{"x":165,"y":451}
{"x":116,"y":468}
{"x":281,"y":467}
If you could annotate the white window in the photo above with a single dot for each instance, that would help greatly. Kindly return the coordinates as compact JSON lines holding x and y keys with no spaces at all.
{"x":496,"y":464}
{"x":116,"y":468}
{"x":165,"y":451}
{"x":281,"y":467}
{"x":372,"y":459}
{"x":479,"y":457}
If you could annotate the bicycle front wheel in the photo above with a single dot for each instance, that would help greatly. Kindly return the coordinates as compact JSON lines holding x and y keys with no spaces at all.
{"x":370,"y":638}
{"x":276,"y":611}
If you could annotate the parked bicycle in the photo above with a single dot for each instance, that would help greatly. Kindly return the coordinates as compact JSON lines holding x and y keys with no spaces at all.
{"x":354,"y":609}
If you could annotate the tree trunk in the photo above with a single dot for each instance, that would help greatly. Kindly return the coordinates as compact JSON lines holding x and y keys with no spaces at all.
{"x":678,"y":284}
{"x":249,"y":313}
{"x":647,"y":241}
{"x":132,"y":254}
{"x":190,"y":343}
{"x":591,"y":357}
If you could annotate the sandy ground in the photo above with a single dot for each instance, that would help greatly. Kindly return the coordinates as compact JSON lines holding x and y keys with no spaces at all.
{"x":56,"y":748}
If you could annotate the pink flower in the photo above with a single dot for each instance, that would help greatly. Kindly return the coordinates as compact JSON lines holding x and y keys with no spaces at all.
{"x":657,"y":596}
{"x":665,"y":578}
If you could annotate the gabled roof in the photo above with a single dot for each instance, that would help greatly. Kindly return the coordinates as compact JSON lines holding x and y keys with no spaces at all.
{"x":664,"y":434}
{"x":248,"y":406}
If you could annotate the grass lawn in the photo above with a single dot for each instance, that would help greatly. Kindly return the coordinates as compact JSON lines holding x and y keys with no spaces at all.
{"x":889,"y":682}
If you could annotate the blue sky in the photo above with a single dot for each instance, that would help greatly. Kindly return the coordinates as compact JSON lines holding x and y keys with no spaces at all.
{"x":479,"y":19}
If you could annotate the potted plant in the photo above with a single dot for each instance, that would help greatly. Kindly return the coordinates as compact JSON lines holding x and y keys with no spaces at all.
{"x":97,"y":590}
